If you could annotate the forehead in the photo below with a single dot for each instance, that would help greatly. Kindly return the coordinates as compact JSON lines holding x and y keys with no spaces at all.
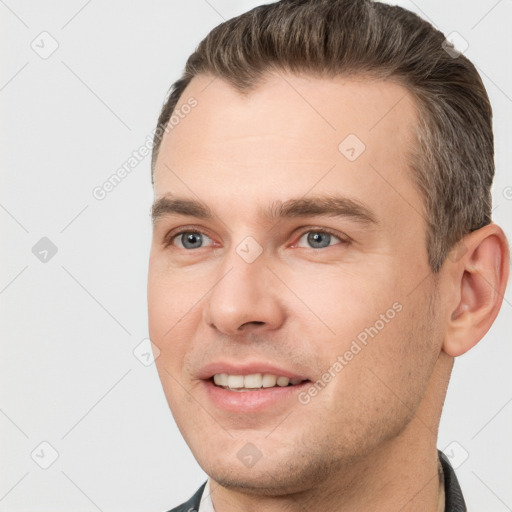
{"x":289,"y":134}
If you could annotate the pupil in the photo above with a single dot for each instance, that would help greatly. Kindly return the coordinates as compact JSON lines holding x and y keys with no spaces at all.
{"x":317,"y":239}
{"x":191,"y":240}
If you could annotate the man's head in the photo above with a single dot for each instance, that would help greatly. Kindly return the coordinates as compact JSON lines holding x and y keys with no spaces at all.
{"x":304,"y":213}
{"x":325,"y":38}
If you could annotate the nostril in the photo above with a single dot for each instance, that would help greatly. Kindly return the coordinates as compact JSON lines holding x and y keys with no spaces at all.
{"x":255,"y":322}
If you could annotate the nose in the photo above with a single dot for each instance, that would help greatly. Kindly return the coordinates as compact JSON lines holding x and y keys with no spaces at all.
{"x":245,"y":297}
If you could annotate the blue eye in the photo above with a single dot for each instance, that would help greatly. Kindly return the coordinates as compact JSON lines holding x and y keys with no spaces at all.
{"x":191,"y":240}
{"x":318,"y":239}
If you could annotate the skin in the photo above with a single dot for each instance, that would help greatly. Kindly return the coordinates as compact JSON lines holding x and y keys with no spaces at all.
{"x":367,"y":440}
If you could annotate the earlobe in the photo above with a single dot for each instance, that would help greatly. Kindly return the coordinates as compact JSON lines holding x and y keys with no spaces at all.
{"x":480,"y":276}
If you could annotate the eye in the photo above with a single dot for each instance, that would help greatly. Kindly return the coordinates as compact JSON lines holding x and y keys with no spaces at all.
{"x":318,"y":239}
{"x":190,"y":240}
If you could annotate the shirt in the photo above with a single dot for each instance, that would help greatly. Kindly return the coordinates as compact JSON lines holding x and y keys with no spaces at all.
{"x":206,"y":504}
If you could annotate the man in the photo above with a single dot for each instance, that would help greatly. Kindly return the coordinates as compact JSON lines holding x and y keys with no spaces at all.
{"x":323,"y":249}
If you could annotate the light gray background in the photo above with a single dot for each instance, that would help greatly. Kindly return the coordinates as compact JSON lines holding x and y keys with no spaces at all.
{"x":69,"y":326}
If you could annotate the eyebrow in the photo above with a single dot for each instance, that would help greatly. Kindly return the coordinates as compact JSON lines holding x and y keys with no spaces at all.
{"x":179,"y":206}
{"x":332,"y":206}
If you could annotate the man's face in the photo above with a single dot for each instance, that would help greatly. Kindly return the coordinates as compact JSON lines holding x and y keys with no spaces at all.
{"x":281,"y":282}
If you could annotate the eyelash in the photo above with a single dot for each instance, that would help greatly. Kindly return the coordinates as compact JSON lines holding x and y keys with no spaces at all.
{"x":169,"y":237}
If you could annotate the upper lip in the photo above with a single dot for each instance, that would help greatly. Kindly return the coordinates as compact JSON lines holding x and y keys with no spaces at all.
{"x":248,"y":368}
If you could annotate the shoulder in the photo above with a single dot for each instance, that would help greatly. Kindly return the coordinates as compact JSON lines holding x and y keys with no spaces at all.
{"x":192,"y":505}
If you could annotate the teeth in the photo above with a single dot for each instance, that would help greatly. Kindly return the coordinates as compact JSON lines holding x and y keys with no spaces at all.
{"x":269,"y":381}
{"x":253,"y":381}
{"x":283,"y":381}
{"x":235,"y":381}
{"x":221,"y":379}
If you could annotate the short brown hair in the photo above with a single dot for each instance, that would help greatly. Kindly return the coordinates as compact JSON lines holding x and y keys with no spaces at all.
{"x":453,"y":161}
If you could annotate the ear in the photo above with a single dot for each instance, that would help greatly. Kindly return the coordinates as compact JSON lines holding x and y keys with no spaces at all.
{"x":478,"y":269}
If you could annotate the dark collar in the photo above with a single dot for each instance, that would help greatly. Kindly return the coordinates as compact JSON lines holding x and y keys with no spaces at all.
{"x":454,"y":501}
{"x":192,"y":505}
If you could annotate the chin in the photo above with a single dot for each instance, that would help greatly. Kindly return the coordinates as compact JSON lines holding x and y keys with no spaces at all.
{"x":257,"y":484}
{"x":286,"y":475}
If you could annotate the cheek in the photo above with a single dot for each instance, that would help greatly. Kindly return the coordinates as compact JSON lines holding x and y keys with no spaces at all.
{"x":170,"y":311}
{"x":377,"y":337}
{"x":161,"y":311}
{"x":340,"y":305}
{"x":399,"y":360}
{"x":172,"y":296}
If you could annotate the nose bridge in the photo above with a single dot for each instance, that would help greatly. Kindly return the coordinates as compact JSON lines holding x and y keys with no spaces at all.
{"x":243,"y":293}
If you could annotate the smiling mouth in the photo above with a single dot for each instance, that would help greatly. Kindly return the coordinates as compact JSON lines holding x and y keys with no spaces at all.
{"x":253,"y":382}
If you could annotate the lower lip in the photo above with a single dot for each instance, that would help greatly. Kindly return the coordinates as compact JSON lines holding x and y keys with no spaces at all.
{"x":252,"y":401}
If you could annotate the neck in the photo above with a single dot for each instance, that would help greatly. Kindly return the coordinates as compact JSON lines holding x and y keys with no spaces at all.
{"x":401,"y":474}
